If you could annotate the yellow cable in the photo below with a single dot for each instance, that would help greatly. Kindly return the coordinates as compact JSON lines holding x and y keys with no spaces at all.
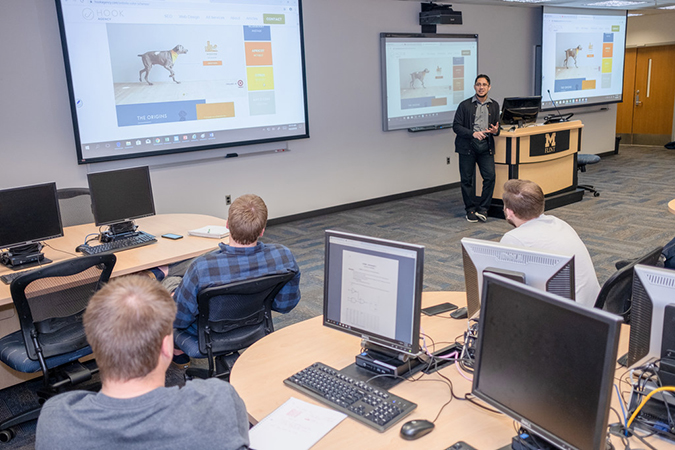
{"x":664,"y":388}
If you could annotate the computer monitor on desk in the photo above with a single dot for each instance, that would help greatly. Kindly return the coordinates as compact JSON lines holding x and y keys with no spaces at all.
{"x":118,"y":197}
{"x":652,"y":325}
{"x":28,"y":215}
{"x":546,"y":363}
{"x":520,"y":110}
{"x":373,"y":289}
{"x":551,"y":272}
{"x":652,"y":347}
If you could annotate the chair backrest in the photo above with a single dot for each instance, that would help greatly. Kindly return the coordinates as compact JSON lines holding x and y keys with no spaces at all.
{"x":234,"y":316}
{"x":615,"y":295}
{"x":50,"y":303}
{"x":75,"y":206}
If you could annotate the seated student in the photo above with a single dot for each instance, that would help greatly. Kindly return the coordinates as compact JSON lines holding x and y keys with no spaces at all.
{"x":129,"y":324}
{"x":524,"y":209}
{"x":243,"y":258}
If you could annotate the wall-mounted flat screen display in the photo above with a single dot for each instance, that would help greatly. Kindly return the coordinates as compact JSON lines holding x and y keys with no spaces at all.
{"x":167,"y":76}
{"x":425,"y":77}
{"x":582,"y":57}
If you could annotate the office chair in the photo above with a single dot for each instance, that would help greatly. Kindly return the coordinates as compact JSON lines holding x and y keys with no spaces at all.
{"x":583,"y":160}
{"x":50,"y":303}
{"x":615,"y":294}
{"x":231,"y":317}
{"x":75,"y":206}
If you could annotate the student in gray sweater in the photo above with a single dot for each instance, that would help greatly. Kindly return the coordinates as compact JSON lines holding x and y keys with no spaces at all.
{"x":129,"y":324}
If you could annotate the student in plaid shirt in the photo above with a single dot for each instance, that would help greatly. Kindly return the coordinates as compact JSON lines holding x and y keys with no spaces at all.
{"x":243,"y":258}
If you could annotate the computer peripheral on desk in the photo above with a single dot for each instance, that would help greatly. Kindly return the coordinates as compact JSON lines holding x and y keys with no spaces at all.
{"x":370,"y":405}
{"x":459,"y":313}
{"x":137,"y":239}
{"x":461,"y":445}
{"x":9,"y":277}
{"x":415,"y":429}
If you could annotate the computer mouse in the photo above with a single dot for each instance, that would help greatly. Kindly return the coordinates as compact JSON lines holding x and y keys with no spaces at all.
{"x":459,"y":313}
{"x":415,"y":429}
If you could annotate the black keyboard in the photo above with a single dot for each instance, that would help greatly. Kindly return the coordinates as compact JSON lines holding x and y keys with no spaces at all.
{"x":364,"y":402}
{"x":138,"y":240}
{"x":9,"y":277}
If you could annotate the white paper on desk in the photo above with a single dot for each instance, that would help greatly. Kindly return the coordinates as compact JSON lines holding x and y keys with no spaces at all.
{"x":295,"y":425}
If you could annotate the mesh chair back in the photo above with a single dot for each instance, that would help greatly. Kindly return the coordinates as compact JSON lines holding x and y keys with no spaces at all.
{"x":234,"y":316}
{"x":75,"y":206}
{"x":615,"y":295}
{"x":51,"y":301}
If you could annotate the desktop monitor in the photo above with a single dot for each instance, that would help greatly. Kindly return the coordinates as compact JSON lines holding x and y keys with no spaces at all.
{"x":373,"y":289}
{"x":652,"y":323}
{"x":28,"y":215}
{"x":549,"y":271}
{"x":520,"y":110}
{"x":121,"y":195}
{"x":546,"y":363}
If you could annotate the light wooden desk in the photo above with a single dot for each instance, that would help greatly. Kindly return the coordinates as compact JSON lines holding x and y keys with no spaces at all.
{"x":259,"y":373}
{"x":164,"y":251}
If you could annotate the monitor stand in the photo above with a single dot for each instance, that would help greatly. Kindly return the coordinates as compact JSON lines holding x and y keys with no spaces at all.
{"x":391,"y":367}
{"x":120,"y":230}
{"x":525,"y":440}
{"x":24,"y":257}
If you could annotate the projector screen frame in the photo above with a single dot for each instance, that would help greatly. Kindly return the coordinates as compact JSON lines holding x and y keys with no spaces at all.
{"x":427,"y":122}
{"x":575,"y":101}
{"x":196,"y":140}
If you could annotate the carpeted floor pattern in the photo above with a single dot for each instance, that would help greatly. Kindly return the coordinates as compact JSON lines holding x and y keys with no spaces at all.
{"x":628,"y":218}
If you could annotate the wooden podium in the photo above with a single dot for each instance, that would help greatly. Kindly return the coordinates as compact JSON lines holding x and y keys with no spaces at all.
{"x":545,"y":154}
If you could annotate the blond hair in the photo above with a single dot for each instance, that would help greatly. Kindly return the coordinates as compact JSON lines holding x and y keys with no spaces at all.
{"x":247,"y":219}
{"x":125,"y":323}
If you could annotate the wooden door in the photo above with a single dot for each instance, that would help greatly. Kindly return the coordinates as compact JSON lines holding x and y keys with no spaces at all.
{"x":624,"y":110}
{"x":648,"y":106}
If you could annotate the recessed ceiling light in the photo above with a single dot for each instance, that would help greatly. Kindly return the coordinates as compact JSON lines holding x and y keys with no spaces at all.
{"x":615,"y":3}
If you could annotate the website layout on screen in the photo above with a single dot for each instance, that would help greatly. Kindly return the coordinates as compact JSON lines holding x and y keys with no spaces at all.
{"x":160,"y":76}
{"x":426,"y":78}
{"x":582,"y":57}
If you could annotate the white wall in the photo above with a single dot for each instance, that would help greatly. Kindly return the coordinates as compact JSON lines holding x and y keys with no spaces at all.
{"x":652,"y":29}
{"x":348,"y":158}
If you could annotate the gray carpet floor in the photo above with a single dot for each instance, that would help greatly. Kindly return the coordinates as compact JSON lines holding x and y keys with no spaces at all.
{"x":628,"y":218}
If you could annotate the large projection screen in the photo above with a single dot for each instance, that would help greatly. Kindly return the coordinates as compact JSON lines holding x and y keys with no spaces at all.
{"x":582,"y":57}
{"x":425,"y":77}
{"x":165,"y":76}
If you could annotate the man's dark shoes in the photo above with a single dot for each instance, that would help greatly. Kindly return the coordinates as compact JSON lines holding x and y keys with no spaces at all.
{"x":482,"y":216}
{"x":471,"y":217}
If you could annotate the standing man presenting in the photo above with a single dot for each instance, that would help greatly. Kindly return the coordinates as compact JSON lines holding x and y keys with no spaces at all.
{"x":476,"y":123}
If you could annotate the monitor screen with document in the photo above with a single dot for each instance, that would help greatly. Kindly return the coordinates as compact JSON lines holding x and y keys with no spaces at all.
{"x":373,"y":289}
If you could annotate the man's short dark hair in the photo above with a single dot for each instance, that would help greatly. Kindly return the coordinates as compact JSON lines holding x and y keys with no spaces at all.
{"x":482,"y":75}
{"x":525,"y":198}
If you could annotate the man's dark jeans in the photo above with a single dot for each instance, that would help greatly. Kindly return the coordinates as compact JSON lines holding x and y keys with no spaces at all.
{"x":480,"y":154}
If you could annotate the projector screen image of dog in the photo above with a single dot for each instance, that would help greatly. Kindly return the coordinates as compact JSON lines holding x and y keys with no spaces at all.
{"x":158,"y":79}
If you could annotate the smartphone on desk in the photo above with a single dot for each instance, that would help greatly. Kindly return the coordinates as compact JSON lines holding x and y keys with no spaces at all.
{"x":172,"y":236}
{"x":437,"y":309}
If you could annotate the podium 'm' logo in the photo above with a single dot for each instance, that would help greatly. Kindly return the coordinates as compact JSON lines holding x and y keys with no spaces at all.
{"x":549,"y":146}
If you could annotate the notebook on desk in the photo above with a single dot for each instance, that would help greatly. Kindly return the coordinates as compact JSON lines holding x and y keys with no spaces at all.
{"x":210,"y":231}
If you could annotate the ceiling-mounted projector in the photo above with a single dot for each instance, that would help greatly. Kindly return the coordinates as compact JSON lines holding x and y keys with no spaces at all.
{"x":435,"y":14}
